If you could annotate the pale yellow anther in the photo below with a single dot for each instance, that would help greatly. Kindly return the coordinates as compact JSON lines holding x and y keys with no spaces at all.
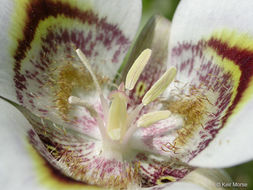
{"x":152,"y":117}
{"x":137,"y":68}
{"x":160,"y":86}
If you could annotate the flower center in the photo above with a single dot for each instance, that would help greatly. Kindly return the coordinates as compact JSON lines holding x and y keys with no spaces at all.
{"x":119,"y":124}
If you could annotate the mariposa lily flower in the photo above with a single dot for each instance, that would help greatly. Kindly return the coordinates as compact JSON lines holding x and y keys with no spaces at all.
{"x":59,"y":68}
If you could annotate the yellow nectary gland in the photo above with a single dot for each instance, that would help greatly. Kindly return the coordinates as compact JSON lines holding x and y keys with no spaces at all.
{"x":65,"y":79}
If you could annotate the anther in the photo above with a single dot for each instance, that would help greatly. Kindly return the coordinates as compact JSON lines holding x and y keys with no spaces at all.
{"x":160,"y":86}
{"x":137,"y":68}
{"x":152,"y":117}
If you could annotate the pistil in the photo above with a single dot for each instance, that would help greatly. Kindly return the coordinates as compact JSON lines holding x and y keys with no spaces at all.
{"x":119,"y":125}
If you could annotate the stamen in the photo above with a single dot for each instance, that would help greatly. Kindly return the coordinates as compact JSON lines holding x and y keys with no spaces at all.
{"x":152,"y":117}
{"x":160,"y":86}
{"x":137,"y":68}
{"x":102,"y":98}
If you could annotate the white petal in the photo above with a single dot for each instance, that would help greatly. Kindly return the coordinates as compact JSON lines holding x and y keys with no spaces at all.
{"x":232,"y":145}
{"x":6,"y":68}
{"x":17,"y":167}
{"x":195,"y":19}
{"x":197,"y":25}
{"x":117,"y":12}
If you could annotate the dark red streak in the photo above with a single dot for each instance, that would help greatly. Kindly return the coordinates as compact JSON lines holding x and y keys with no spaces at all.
{"x":241,"y":57}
